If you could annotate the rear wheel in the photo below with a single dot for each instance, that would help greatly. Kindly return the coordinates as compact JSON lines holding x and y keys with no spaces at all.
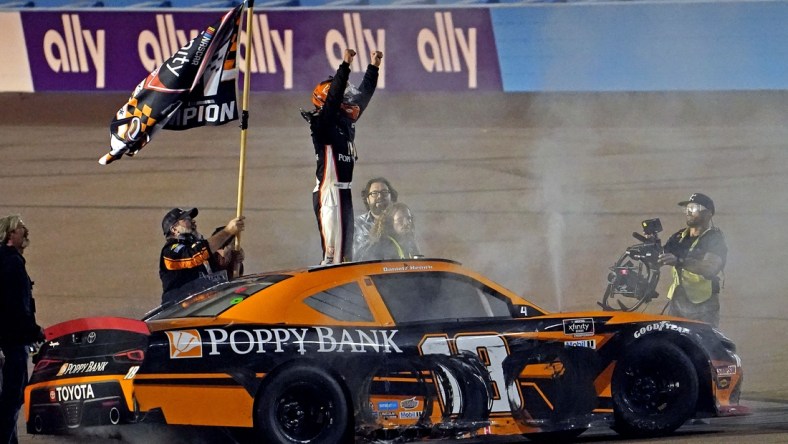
{"x":302,"y":404}
{"x":655,"y":389}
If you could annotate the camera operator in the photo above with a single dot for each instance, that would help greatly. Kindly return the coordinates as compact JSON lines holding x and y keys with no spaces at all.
{"x":697,"y":254}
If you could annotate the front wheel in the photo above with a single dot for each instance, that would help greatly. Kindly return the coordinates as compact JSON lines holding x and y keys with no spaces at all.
{"x":655,"y":389}
{"x":304,"y":405}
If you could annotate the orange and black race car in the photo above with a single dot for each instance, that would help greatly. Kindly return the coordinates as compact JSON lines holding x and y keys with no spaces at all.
{"x":381,"y":350}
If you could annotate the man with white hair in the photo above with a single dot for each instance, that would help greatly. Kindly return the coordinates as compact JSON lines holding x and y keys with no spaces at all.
{"x":18,"y":326}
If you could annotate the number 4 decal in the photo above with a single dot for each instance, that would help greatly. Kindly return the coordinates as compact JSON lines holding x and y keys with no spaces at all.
{"x":491,"y":349}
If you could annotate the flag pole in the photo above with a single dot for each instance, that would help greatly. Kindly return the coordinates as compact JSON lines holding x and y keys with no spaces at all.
{"x":244,"y":114}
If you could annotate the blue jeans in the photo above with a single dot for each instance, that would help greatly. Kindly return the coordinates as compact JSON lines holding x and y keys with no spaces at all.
{"x":13,"y":395}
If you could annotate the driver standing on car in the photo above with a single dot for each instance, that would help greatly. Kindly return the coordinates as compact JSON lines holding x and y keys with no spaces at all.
{"x":185,"y":257}
{"x":697,"y":254}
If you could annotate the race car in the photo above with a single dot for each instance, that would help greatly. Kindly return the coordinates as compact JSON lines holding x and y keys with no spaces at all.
{"x":405,"y":350}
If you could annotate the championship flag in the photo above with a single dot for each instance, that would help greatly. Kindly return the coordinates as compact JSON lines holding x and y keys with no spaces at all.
{"x":195,"y":87}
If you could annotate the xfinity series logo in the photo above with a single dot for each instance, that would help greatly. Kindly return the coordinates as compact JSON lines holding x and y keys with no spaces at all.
{"x":660,"y":326}
{"x":71,"y":393}
{"x":579,"y":327}
{"x":218,"y":341}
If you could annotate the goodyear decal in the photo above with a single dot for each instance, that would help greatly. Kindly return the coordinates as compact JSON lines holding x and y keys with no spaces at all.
{"x":660,"y":326}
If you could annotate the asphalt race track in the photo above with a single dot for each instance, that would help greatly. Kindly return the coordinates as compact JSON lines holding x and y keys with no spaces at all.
{"x":538,"y":192}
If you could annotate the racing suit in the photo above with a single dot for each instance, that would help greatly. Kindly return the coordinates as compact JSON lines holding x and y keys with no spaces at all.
{"x":184,"y":268}
{"x":692,"y":295}
{"x":333,"y":133}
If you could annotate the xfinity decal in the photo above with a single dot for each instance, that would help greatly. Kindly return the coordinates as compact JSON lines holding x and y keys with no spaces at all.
{"x":87,"y":367}
{"x":660,"y":326}
{"x":71,"y":393}
{"x":216,"y":341}
{"x":579,"y":327}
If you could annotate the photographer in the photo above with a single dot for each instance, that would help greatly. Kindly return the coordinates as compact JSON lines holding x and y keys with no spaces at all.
{"x":697,"y":254}
{"x":18,"y":327}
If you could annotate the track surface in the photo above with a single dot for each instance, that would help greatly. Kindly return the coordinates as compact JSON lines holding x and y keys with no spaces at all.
{"x":540,"y":193}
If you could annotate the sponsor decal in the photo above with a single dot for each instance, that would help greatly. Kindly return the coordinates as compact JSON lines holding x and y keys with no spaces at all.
{"x":71,"y":393}
{"x":54,"y":344}
{"x":91,"y":337}
{"x":406,"y":267}
{"x":446,"y":48}
{"x":73,"y":49}
{"x":188,"y":343}
{"x":87,"y":367}
{"x":185,"y":344}
{"x":579,"y":327}
{"x":409,"y":415}
{"x":587,"y":343}
{"x":409,"y":404}
{"x":387,"y":405}
{"x":729,"y":370}
{"x":388,"y":415}
{"x":660,"y":326}
{"x":360,"y":38}
{"x":723,"y":383}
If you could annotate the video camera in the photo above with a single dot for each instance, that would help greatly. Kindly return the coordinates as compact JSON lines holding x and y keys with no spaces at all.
{"x":633,"y":278}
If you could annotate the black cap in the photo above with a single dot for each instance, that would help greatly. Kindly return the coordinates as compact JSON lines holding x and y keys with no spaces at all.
{"x":173,"y":216}
{"x":699,"y":199}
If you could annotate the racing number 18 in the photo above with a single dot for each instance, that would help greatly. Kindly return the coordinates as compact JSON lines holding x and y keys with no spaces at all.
{"x":491,"y":350}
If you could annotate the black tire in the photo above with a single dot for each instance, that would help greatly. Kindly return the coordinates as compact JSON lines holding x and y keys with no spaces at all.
{"x":302,"y":404}
{"x":655,"y":389}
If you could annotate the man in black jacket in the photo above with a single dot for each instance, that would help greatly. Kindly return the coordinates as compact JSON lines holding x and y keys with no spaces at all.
{"x":18,"y":326}
{"x":184,"y":263}
{"x":338,"y":105}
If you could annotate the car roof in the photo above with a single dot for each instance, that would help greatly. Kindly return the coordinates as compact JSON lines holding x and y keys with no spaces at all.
{"x":274,"y":302}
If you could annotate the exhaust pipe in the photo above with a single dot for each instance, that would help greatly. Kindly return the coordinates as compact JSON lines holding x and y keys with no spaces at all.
{"x":38,"y":424}
{"x":114,"y":416}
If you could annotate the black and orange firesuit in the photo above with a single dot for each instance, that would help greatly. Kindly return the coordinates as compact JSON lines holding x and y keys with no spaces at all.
{"x":333,"y":134}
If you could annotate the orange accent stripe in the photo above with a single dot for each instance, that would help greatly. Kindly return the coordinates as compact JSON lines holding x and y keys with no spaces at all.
{"x":191,"y":262}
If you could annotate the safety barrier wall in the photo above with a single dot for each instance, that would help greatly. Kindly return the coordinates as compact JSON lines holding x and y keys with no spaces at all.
{"x":739,"y":45}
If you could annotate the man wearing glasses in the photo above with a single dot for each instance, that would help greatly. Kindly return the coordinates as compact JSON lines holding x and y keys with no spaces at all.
{"x":697,"y":254}
{"x":378,"y":195}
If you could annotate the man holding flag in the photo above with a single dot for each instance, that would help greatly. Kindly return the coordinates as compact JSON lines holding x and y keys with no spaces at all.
{"x":195,"y":87}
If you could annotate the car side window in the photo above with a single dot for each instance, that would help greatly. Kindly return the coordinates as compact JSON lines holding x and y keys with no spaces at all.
{"x":343,"y":303}
{"x":415,"y":297}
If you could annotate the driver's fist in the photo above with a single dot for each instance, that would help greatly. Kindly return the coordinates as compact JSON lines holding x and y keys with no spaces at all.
{"x":349,"y":54}
{"x":376,"y":57}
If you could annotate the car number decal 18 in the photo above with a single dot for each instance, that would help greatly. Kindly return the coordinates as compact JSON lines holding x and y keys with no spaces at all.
{"x":492,"y":350}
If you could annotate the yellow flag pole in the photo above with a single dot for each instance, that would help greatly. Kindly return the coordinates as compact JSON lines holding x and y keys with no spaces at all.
{"x":244,"y":115}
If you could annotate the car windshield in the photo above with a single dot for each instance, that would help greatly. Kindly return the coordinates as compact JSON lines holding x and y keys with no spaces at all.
{"x":216,"y":300}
